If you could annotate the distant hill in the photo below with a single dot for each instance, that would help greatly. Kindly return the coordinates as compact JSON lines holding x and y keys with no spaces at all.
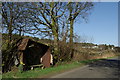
{"x":48,"y":41}
{"x":16,"y":37}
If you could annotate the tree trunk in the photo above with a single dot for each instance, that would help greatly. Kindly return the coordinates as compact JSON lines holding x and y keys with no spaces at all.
{"x":10,"y":29}
{"x":55,"y":31}
{"x":71,"y":38}
{"x":56,"y":43}
{"x":56,"y":46}
{"x":63,"y":35}
{"x":20,"y":31}
{"x":9,"y":35}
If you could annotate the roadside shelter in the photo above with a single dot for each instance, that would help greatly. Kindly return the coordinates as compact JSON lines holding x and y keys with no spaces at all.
{"x":29,"y":53}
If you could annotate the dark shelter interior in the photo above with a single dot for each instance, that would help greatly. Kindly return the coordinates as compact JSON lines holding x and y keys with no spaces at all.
{"x":28,"y":52}
{"x":33,"y":52}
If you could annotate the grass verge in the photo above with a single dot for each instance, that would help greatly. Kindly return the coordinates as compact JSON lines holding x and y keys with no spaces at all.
{"x":39,"y":73}
{"x":93,"y":60}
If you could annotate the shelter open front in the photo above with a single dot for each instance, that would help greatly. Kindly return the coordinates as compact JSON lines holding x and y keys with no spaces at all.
{"x":30,"y":53}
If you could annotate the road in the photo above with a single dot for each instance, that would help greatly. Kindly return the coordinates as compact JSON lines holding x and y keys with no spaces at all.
{"x":105,"y":68}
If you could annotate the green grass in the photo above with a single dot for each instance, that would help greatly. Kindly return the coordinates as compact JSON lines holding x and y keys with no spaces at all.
{"x":37,"y":73}
{"x":0,"y":76}
{"x":93,"y":60}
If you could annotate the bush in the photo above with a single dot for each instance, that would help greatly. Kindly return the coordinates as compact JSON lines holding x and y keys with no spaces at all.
{"x":64,"y":51}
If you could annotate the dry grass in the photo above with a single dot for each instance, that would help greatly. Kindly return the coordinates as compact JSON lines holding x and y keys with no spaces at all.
{"x":87,"y":53}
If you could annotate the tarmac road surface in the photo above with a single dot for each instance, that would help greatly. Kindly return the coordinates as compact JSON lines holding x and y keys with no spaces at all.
{"x":106,"y":68}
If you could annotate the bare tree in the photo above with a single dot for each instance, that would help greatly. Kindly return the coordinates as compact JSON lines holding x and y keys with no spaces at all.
{"x":77,"y":9}
{"x":48,"y":16}
{"x":17,"y":17}
{"x":11,"y":13}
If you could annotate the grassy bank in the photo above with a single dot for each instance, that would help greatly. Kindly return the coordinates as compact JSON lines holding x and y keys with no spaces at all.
{"x":37,"y":73}
{"x":40,"y":73}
